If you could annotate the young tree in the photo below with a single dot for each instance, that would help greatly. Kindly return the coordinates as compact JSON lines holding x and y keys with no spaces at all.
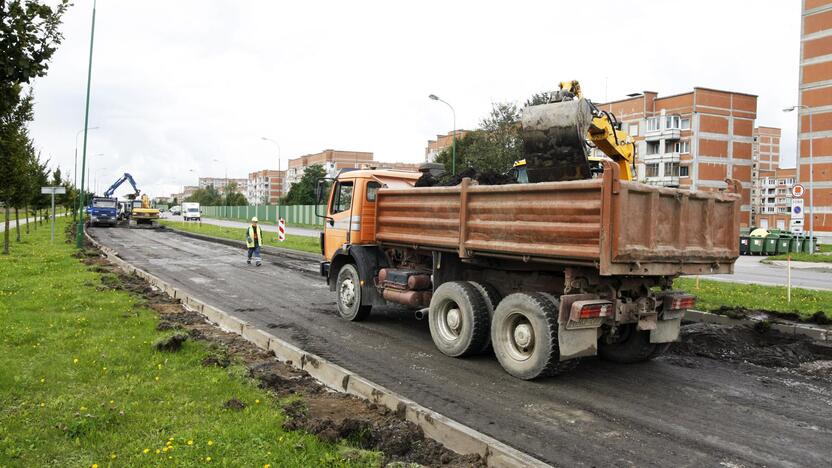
{"x":13,"y":159}
{"x":303,"y":192}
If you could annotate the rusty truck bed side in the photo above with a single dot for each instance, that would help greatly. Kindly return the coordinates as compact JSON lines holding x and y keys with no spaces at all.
{"x":622,"y":228}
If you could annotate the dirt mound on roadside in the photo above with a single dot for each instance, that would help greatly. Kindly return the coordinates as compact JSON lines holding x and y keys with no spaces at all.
{"x":768,"y":348}
{"x":818,"y":317}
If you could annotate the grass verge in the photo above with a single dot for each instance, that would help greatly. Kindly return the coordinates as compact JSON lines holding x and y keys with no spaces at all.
{"x":717,"y":296}
{"x":82,"y":384}
{"x":804,"y":257}
{"x":302,"y":243}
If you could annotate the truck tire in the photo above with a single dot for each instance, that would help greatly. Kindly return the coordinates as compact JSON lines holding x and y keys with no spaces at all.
{"x":491,"y":297}
{"x":458,"y":319}
{"x":633,"y":346}
{"x":348,"y":290}
{"x":524,"y":334}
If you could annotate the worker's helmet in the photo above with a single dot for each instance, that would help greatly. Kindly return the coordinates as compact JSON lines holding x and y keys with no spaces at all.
{"x":254,"y":219}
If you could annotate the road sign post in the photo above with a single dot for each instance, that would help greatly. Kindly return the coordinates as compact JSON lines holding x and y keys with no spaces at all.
{"x":50,"y":190}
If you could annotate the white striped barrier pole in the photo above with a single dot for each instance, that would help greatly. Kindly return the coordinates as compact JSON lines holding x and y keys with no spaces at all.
{"x":281,"y":230}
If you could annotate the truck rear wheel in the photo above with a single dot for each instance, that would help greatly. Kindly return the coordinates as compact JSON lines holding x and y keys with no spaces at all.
{"x":458,"y":319}
{"x":524,"y":334}
{"x":491,"y":297}
{"x":348,"y":288}
{"x":632,"y":345}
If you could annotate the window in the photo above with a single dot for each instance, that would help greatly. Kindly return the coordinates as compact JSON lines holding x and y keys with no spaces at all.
{"x":343,"y":197}
{"x":652,"y":147}
{"x":671,"y":169}
{"x":372,"y":189}
{"x":633,"y":129}
{"x":672,"y":122}
{"x":651,"y":170}
{"x":685,"y":123}
{"x":682,"y":146}
{"x":652,"y":124}
{"x":683,"y":171}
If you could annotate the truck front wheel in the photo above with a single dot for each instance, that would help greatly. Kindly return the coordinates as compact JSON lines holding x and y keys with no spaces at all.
{"x":458,"y":319}
{"x":631,"y":345}
{"x":348,"y":288}
{"x":524,"y":334}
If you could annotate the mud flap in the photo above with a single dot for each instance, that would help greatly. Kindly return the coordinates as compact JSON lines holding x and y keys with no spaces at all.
{"x":666,"y":331}
{"x":577,"y":343}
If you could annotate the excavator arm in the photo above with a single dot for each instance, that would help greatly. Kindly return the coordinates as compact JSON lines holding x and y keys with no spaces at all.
{"x":126,"y":177}
{"x":558,"y":135}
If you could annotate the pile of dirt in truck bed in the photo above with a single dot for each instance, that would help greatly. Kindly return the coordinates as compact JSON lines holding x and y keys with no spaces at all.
{"x":329,"y":415}
{"x":486,"y":177}
{"x":759,"y":345}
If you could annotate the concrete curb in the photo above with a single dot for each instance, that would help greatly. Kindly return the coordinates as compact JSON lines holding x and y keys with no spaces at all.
{"x":816,"y":333}
{"x":452,"y":434}
{"x":289,"y":253}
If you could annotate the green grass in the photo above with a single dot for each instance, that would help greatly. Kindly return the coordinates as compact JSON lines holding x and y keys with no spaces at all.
{"x":804,"y":257}
{"x":302,"y":243}
{"x":82,"y":386}
{"x":711,"y":295}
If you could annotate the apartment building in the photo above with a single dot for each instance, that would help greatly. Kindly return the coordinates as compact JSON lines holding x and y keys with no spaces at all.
{"x":771,"y":199}
{"x":265,"y":187}
{"x":331,"y":160}
{"x":694,"y":140}
{"x":765,"y":151}
{"x":189,"y":190}
{"x":220,"y":183}
{"x":441,"y":142}
{"x":815,"y":90}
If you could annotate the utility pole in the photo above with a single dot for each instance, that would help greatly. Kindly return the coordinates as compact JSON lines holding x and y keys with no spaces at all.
{"x":79,"y":240}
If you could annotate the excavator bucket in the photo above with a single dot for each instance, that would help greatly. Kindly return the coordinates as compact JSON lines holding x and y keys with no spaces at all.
{"x":554,"y":140}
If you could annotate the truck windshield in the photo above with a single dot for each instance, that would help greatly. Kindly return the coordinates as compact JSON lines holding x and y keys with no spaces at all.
{"x":104,"y":203}
{"x":193,"y":210}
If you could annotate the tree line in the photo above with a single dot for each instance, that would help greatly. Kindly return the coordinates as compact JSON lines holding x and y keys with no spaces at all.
{"x":29,"y":36}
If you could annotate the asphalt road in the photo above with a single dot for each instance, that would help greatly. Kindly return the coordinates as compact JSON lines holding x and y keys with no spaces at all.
{"x":705,"y":413}
{"x":749,"y":269}
{"x":292,"y":231}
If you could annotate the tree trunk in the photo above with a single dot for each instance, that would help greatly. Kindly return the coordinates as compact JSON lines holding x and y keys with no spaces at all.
{"x":35,"y":218}
{"x":17,"y":223}
{"x":26,"y":210}
{"x":6,"y":233}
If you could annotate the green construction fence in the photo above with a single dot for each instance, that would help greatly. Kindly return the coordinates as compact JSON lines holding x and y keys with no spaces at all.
{"x":292,"y":214}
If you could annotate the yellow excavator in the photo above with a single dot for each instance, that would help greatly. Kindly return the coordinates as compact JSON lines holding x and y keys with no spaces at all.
{"x":143,"y":213}
{"x":558,"y":137}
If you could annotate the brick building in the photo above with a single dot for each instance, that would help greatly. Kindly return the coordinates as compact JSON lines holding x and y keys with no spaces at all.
{"x":265,"y":187}
{"x":816,"y":94}
{"x":771,"y":198}
{"x":331,"y":160}
{"x":441,"y":142}
{"x":765,"y":152}
{"x":693,"y":140}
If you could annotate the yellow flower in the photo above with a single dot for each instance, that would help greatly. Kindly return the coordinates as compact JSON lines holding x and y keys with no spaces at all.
{"x":166,"y":449}
{"x":113,"y":456}
{"x":170,"y":439}
{"x":95,"y":465}
{"x":42,"y":404}
{"x":190,"y":442}
{"x":207,"y":459}
{"x":147,"y":450}
{"x":83,"y":408}
{"x":267,"y":466}
{"x":42,"y":380}
{"x":210,"y":442}
{"x":111,"y":402}
{"x":75,"y":361}
{"x":157,"y":377}
{"x":158,"y":451}
{"x":257,"y":402}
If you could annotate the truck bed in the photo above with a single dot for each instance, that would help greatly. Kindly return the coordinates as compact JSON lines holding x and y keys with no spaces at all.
{"x":619,"y":227}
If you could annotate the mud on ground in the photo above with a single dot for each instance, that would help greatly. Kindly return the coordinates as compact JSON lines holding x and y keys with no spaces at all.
{"x":314,"y":408}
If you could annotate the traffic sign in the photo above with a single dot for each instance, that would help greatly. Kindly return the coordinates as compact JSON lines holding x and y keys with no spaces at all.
{"x":798,"y":190}
{"x":796,"y":226}
{"x":56,"y":190}
{"x":797,"y":208}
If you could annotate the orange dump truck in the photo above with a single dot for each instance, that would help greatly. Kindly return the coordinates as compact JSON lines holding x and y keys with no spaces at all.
{"x":542,"y":273}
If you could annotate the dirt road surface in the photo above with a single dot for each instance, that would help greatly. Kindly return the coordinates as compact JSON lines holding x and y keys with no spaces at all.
{"x":682,"y":410}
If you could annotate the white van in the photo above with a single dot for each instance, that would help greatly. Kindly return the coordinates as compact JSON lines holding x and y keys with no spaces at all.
{"x":190,"y":211}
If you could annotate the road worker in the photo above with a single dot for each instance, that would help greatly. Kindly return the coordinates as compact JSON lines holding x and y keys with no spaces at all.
{"x":254,"y":238}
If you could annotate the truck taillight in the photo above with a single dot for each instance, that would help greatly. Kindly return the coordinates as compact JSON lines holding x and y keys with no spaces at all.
{"x":594,"y":310}
{"x":682,"y":302}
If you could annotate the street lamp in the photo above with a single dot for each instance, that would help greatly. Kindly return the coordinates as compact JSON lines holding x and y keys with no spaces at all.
{"x":97,"y":171}
{"x":75,"y":172}
{"x":453,"y":148}
{"x":79,"y":237}
{"x":811,"y":172}
{"x":89,"y":168}
{"x":282,"y":179}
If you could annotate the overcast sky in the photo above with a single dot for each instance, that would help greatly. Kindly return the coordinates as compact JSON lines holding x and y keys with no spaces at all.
{"x":179,"y":84}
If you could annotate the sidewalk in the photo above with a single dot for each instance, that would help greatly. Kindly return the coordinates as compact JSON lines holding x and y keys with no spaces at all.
{"x":294,"y":231}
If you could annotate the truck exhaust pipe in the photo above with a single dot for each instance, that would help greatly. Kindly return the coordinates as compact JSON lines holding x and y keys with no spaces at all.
{"x":420,"y":314}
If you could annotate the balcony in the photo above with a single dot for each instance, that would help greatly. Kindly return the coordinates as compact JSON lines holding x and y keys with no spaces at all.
{"x":663,"y":134}
{"x":661,"y":157}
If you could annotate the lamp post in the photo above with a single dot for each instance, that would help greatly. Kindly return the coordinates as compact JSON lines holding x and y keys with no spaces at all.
{"x":453,"y":148}
{"x":79,"y":239}
{"x":95,"y":184}
{"x":88,"y":173}
{"x":75,"y":172}
{"x":811,"y":172}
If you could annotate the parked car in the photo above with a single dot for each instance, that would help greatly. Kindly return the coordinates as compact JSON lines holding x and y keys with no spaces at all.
{"x":176,"y":210}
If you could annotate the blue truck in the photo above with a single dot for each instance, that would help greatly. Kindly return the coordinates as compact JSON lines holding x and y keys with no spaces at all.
{"x":102,"y":211}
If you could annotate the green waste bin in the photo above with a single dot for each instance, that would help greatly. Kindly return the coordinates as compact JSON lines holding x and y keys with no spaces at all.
{"x":809,"y":244}
{"x":796,"y":243}
{"x":783,"y":243}
{"x":770,"y":244}
{"x":745,"y":245}
{"x":756,"y":247}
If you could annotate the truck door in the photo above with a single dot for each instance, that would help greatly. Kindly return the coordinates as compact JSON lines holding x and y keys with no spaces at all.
{"x":340,"y":210}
